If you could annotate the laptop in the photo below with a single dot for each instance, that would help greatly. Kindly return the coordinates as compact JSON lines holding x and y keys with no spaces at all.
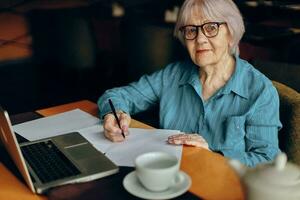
{"x":54,"y":161}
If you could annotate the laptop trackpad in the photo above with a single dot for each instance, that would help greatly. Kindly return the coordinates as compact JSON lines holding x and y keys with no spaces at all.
{"x":81,"y":151}
{"x":89,"y":159}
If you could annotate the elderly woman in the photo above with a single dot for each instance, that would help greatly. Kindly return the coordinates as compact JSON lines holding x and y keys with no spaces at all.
{"x":219,"y":101}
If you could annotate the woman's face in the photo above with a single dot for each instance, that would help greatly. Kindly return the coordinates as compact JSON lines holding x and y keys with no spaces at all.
{"x":206,"y":51}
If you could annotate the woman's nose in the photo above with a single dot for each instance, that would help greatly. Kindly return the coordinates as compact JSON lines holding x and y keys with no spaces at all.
{"x":201,"y":37}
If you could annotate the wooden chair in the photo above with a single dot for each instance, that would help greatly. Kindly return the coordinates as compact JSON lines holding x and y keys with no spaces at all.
{"x":289,"y":135}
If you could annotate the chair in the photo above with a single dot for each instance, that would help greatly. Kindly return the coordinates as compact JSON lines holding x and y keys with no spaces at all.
{"x":289,"y":135}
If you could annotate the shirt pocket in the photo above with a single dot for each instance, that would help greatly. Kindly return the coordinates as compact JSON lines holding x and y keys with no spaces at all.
{"x":233,"y":132}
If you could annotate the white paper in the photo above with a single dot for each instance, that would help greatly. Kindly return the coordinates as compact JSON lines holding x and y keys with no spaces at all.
{"x":95,"y":136}
{"x":55,"y":125}
{"x":142,"y":141}
{"x":138,"y":142}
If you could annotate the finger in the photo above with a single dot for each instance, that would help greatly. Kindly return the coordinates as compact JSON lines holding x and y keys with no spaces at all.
{"x":113,"y":137}
{"x":124,"y":122}
{"x":125,"y":131}
{"x":109,"y":118}
{"x":178,"y":139}
{"x":181,"y":135}
{"x":188,"y":139}
{"x":112,"y":128}
{"x":110,"y":124}
{"x":176,"y":142}
{"x":189,"y":136}
{"x":112,"y":134}
{"x":183,"y":141}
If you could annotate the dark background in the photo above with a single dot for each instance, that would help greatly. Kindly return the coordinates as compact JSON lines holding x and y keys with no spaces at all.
{"x":76,"y":49}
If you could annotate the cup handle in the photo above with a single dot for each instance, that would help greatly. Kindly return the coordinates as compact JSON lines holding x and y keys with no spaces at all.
{"x":178,"y":178}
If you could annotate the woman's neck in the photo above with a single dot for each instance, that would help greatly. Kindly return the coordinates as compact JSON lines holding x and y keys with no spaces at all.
{"x":218,"y":74}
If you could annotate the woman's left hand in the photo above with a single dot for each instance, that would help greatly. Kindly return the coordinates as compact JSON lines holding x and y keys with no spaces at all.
{"x":189,"y":139}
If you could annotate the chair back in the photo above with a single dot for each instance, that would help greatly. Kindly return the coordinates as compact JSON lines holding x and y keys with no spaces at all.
{"x":289,"y":135}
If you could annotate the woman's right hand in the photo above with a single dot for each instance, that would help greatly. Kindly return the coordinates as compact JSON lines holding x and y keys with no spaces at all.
{"x":111,"y":128}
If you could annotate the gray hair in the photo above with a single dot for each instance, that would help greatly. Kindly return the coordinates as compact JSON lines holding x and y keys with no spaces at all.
{"x":215,"y":10}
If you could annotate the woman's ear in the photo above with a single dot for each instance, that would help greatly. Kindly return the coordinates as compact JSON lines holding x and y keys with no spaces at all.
{"x":230,"y":41}
{"x":230,"y":44}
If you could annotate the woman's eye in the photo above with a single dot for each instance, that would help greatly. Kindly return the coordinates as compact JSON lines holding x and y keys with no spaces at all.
{"x":191,"y":30}
{"x":210,"y":28}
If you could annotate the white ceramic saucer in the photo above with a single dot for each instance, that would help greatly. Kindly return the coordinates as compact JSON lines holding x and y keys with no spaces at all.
{"x":134,"y":187}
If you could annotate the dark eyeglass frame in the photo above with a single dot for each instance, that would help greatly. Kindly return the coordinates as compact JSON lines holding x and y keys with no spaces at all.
{"x":182,"y":29}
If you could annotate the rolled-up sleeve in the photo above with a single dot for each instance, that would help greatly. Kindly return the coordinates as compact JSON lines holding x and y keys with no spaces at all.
{"x":261,"y":130}
{"x":136,"y":97}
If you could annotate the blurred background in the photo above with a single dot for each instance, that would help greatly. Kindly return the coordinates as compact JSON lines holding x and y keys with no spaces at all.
{"x":58,"y":51}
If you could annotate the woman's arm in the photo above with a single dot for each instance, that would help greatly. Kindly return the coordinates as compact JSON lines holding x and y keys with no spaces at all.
{"x":137,"y":96}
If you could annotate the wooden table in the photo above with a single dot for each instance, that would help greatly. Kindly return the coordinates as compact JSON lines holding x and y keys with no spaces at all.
{"x":212,"y":177}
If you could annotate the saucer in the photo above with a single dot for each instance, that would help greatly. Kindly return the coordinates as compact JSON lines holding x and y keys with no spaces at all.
{"x":134,"y":187}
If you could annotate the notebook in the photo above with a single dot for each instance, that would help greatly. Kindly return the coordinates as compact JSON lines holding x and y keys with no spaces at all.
{"x":54,"y":161}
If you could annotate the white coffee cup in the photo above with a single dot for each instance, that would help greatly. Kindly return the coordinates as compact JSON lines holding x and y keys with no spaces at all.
{"x":156,"y":170}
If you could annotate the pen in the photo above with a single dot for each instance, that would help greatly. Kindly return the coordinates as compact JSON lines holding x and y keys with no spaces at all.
{"x":115,"y":114}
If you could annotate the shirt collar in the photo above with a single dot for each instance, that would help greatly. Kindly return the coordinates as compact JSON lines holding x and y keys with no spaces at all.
{"x":235,"y":83}
{"x":191,"y":76}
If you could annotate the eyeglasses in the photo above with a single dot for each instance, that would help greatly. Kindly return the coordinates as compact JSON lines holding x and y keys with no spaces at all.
{"x":209,"y":29}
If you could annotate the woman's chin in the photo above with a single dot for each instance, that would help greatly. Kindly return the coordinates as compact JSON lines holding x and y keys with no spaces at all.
{"x":203,"y":61}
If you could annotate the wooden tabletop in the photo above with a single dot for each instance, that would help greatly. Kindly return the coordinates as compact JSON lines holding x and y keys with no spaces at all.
{"x":212,"y":177}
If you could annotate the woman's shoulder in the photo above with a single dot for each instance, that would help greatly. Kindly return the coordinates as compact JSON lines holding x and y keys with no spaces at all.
{"x":180,"y":66}
{"x":253,"y":74}
{"x":176,"y":72}
{"x":257,"y":81}
{"x":178,"y":69}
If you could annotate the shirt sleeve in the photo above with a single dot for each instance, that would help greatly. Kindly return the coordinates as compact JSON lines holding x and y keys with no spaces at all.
{"x":136,"y":97}
{"x":261,"y":127}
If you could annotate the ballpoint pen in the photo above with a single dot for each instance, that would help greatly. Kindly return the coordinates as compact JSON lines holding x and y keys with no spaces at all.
{"x":115,"y":114}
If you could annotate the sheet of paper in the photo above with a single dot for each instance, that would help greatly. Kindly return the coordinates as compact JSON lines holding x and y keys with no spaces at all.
{"x":95,"y":136}
{"x":56,"y":125}
{"x":138,"y":142}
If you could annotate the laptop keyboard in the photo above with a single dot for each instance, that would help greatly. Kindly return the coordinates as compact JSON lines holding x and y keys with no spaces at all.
{"x":48,"y":162}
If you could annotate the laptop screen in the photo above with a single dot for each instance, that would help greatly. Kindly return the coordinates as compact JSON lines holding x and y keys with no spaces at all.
{"x":9,"y":140}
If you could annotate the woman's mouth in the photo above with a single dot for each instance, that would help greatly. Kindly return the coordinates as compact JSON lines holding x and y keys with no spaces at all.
{"x":201,"y":51}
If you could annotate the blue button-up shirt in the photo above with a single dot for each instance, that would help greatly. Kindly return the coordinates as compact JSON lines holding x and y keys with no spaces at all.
{"x":241,"y":119}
